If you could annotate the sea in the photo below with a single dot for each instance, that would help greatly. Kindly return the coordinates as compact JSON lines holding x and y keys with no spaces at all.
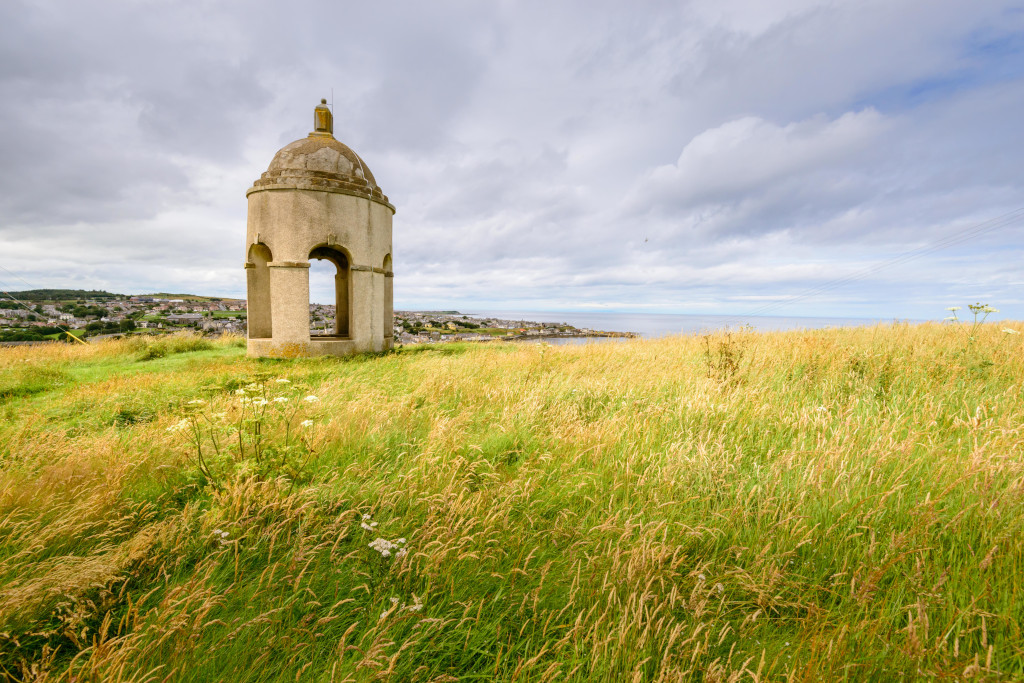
{"x":653,"y":325}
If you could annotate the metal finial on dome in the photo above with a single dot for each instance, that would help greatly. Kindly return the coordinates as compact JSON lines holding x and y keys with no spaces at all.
{"x":323,"y":120}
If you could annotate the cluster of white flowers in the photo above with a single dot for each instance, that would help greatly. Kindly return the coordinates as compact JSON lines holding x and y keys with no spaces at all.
{"x":282,"y":380}
{"x":179,"y":426}
{"x":281,"y":399}
{"x":221,"y":536}
{"x":399,"y":606}
{"x":306,"y":423}
{"x":366,"y":523}
{"x":311,"y":399}
{"x":385,"y":547}
{"x":1007,"y":330}
{"x":196,"y":402}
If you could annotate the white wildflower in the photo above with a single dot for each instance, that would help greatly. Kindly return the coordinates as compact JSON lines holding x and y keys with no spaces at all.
{"x":366,"y":526}
{"x":366,"y":516}
{"x":394,"y":600}
{"x":196,"y":402}
{"x":240,"y":392}
{"x":306,"y":423}
{"x":400,"y":541}
{"x":1007,"y":330}
{"x":260,"y":402}
{"x":282,"y":380}
{"x":402,"y":552}
{"x":383,"y":615}
{"x":951,"y":308}
{"x":416,"y":605}
{"x":720,"y":588}
{"x":216,"y":532}
{"x":179,"y":426}
{"x":311,"y":399}
{"x":989,"y":309}
{"x":281,"y":399}
{"x":383,"y":546}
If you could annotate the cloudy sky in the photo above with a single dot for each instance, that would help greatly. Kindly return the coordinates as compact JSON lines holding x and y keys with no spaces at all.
{"x":711,"y":156}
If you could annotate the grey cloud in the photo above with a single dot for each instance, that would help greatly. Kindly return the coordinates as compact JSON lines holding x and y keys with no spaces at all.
{"x":557,"y":154}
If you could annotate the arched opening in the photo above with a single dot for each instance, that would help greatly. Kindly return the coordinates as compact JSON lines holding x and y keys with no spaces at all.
{"x":258,"y":318}
{"x":389,"y":303}
{"x":329,"y":286}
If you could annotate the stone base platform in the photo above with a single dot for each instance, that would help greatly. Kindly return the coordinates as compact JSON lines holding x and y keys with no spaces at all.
{"x":316,"y":346}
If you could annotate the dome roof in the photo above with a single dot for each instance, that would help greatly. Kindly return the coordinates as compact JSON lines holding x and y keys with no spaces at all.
{"x":320,"y":162}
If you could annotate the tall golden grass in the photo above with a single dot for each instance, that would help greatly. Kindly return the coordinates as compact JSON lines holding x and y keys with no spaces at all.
{"x":837,"y":504}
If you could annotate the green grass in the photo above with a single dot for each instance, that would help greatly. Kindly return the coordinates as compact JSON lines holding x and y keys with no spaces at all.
{"x":814,"y":505}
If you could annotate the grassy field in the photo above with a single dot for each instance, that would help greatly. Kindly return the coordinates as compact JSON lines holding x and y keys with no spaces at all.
{"x":814,"y":505}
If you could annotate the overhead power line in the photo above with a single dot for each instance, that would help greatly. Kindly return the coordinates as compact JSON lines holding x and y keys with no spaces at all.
{"x":11,"y":297}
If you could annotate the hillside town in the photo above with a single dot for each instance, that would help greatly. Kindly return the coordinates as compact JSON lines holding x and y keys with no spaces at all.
{"x":38,"y":315}
{"x":41,"y":315}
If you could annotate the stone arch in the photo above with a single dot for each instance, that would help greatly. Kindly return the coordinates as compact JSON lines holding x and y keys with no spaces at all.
{"x":259,"y":319}
{"x":342,"y":285}
{"x":389,"y":305}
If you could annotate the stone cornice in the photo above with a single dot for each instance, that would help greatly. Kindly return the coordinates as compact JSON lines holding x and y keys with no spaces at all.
{"x":353,"y":191}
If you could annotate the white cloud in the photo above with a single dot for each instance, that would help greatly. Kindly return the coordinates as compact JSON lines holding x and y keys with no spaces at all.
{"x":661,"y":155}
{"x":740,"y":157}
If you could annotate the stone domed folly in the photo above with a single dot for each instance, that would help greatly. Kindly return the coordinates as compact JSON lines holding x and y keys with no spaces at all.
{"x":318,"y":200}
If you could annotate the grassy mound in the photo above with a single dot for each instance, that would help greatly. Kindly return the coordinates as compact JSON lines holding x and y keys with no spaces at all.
{"x":813,"y":505}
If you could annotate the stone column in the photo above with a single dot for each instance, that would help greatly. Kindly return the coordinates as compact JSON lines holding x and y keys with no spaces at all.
{"x":258,"y":301}
{"x":377,"y":306}
{"x":341,"y":302}
{"x":362,"y":307}
{"x":389,"y":310}
{"x":289,"y":301}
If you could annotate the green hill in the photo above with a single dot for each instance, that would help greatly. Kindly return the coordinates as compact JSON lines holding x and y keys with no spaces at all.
{"x":63,"y":294}
{"x":839,"y":504}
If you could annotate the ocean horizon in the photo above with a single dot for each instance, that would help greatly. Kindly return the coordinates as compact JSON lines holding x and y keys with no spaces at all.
{"x":651,"y":325}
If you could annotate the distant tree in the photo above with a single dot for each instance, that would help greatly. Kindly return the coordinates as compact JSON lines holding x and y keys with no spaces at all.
{"x":89,"y":311}
{"x":64,"y":294}
{"x":22,"y":335}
